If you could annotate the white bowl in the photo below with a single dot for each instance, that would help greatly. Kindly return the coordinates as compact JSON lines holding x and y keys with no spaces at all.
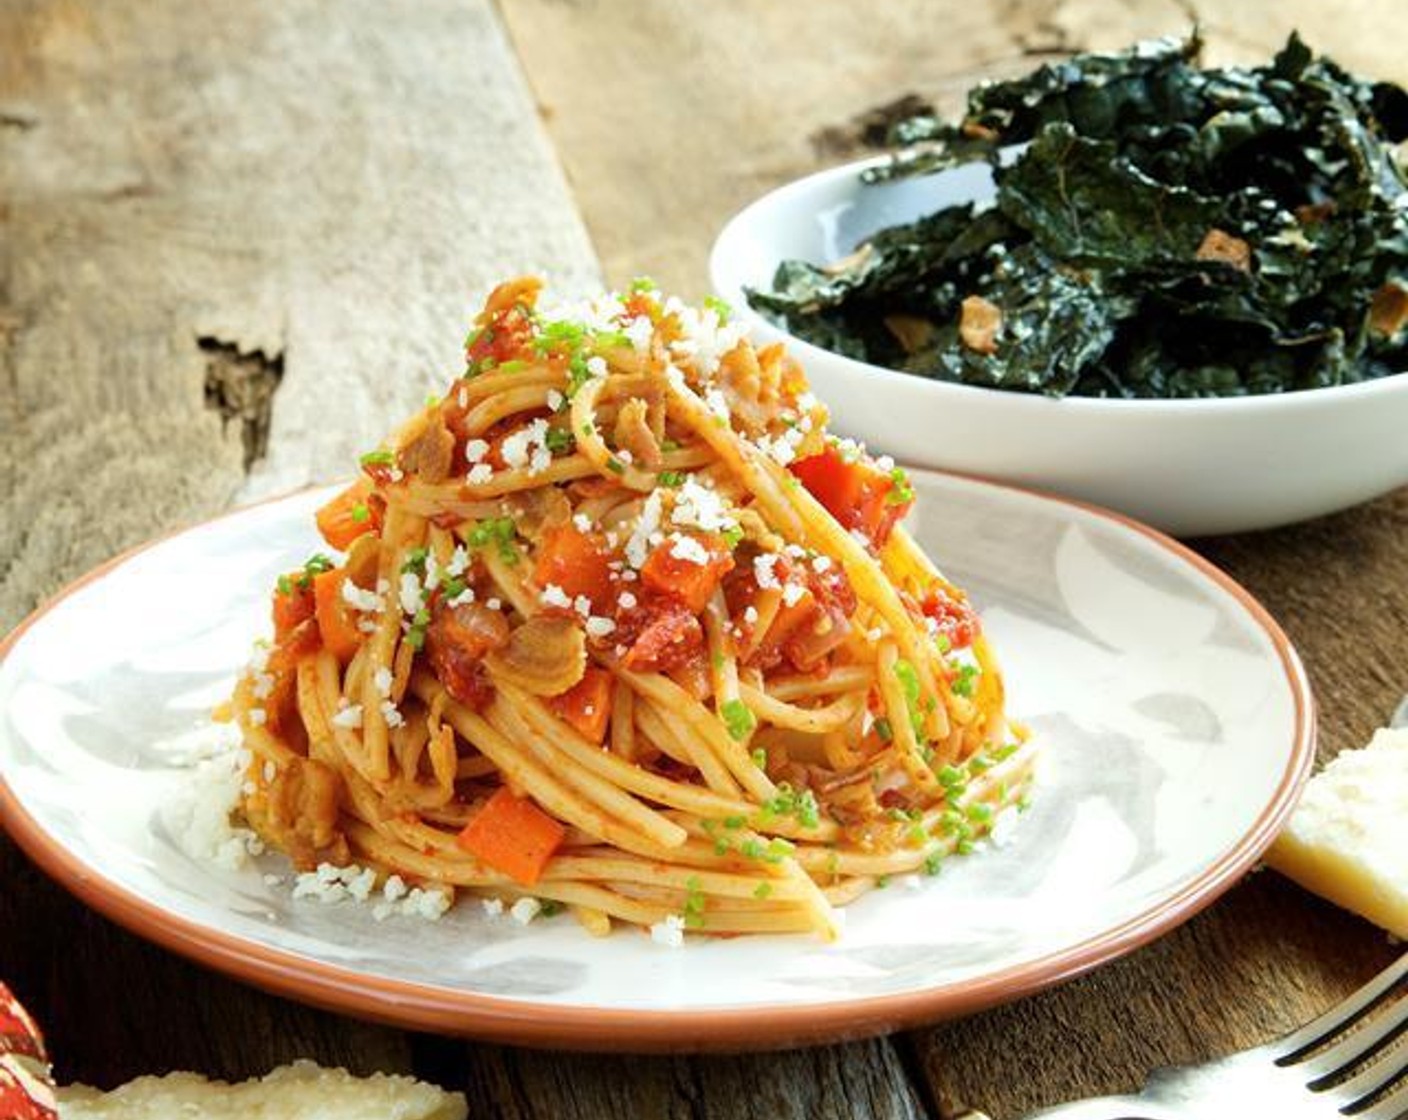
{"x":1188,"y":466}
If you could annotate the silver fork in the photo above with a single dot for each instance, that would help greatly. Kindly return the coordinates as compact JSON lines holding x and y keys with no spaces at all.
{"x":1326,"y":1069}
{"x":1342,"y":1064}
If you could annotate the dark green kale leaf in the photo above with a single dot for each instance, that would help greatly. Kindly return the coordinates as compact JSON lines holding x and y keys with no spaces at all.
{"x":1055,"y":321}
{"x":1160,"y":230}
{"x":1085,"y":204}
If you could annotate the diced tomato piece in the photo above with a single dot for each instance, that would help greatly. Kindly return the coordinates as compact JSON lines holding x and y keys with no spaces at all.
{"x":349,"y":515}
{"x":292,"y":606}
{"x":511,"y":834}
{"x":587,"y":704}
{"x":857,"y":493}
{"x":456,"y":641}
{"x":281,"y":704}
{"x":673,"y":568}
{"x":955,"y":616}
{"x":505,"y":327}
{"x":662,"y":633}
{"x":575,"y":561}
{"x":337,"y":622}
{"x":639,"y":304}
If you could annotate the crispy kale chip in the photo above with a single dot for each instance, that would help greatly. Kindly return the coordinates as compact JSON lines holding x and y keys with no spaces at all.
{"x":1159,"y":230}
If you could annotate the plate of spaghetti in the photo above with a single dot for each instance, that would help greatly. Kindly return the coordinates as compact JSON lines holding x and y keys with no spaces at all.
{"x":616,"y":702}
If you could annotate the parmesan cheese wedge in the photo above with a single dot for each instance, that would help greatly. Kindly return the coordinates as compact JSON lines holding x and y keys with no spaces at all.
{"x":302,"y":1091}
{"x":1348,"y":838}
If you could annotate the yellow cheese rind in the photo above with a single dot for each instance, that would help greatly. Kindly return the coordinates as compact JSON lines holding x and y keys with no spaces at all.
{"x":1348,"y":837}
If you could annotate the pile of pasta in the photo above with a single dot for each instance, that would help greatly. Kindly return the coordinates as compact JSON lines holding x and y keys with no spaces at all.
{"x":616,"y":625}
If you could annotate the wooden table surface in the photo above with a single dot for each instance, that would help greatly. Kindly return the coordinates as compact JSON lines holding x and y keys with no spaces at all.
{"x":238,"y":240}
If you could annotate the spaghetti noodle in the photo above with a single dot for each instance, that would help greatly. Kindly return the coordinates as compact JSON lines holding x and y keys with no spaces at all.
{"x":618,"y":626}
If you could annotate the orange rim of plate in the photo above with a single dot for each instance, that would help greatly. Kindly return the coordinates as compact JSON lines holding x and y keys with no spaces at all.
{"x":525,"y":1023}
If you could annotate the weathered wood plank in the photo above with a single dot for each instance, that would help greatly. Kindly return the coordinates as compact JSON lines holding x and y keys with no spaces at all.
{"x":755,"y":95}
{"x":328,"y":186}
{"x":860,"y":1080}
{"x":308,"y":183}
{"x":114,"y":1007}
{"x":669,"y":117}
{"x":290,"y":207}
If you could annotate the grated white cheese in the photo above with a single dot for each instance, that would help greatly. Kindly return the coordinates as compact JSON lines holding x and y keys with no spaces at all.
{"x":382,"y":679}
{"x":360,"y":598}
{"x":348,"y":715}
{"x":668,"y":932}
{"x":392,"y":714}
{"x":582,"y":523}
{"x":479,"y":474}
{"x":411,"y":594}
{"x":528,"y":447}
{"x":475,"y":450}
{"x":555,"y":399}
{"x":640,"y":331}
{"x":699,"y":507}
{"x":647,"y":525}
{"x":705,"y":338}
{"x":198,"y":815}
{"x":493,"y":907}
{"x":792,"y":593}
{"x":627,"y":601}
{"x":688,"y":549}
{"x":599,"y":627}
{"x":764,"y":570}
{"x":458,"y":563}
{"x":263,"y":686}
{"x":554,"y":596}
{"x":329,"y":884}
{"x":395,"y":888}
{"x":781,"y":449}
{"x":525,"y":910}
{"x":715,"y":402}
{"x":259,"y":658}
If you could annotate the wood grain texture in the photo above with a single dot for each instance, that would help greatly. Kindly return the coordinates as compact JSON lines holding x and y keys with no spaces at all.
{"x":329,"y":187}
{"x":751,"y":97}
{"x":669,"y":118}
{"x":220,"y":219}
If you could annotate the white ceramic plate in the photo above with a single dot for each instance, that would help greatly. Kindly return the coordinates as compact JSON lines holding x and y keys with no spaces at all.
{"x":1186,"y":466}
{"x":1174,"y":718}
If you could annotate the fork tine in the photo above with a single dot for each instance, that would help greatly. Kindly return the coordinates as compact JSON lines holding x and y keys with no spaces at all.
{"x":1380,"y":1073}
{"x":1298,"y":1043}
{"x":1392,"y":1107}
{"x":1362,"y":1045}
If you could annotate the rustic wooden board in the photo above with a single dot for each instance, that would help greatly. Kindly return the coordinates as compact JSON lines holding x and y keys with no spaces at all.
{"x":667,"y":123}
{"x":294,"y":206}
{"x":281,"y":212}
{"x":229,"y":229}
{"x":670,"y":116}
